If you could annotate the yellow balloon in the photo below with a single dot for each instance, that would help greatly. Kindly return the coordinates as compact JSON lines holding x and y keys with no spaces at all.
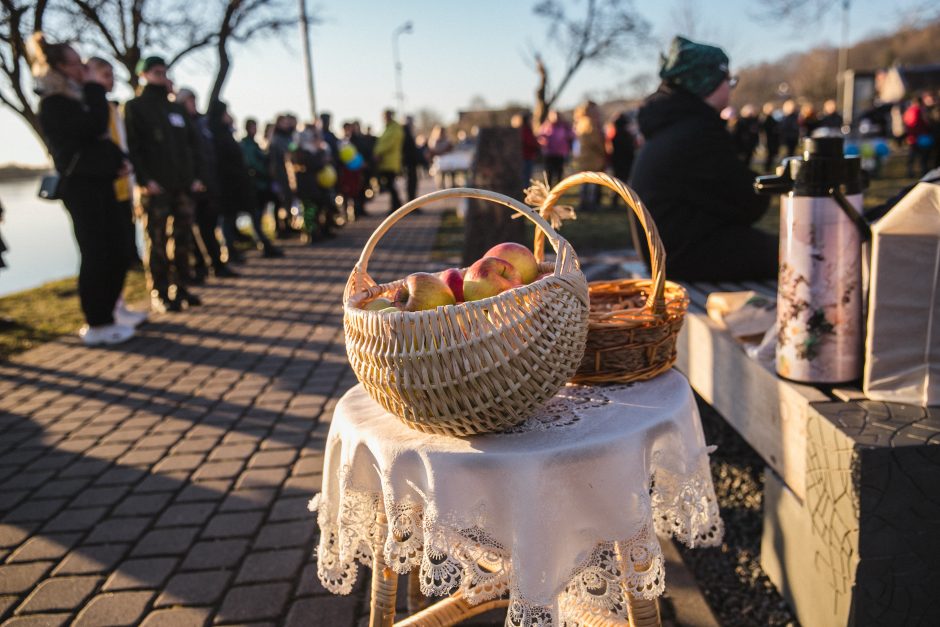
{"x":347,"y":153}
{"x":326,"y":177}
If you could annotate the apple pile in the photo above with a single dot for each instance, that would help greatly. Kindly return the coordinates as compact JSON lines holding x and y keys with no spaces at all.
{"x":503,"y":267}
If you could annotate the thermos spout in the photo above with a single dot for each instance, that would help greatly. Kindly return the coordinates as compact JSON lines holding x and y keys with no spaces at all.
{"x":773,"y":184}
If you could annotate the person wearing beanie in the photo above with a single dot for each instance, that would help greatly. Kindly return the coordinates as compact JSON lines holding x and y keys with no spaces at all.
{"x":688,"y":174}
{"x":163,"y":146}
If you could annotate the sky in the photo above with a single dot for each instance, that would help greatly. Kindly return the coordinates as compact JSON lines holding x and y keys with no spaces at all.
{"x":460,"y":51}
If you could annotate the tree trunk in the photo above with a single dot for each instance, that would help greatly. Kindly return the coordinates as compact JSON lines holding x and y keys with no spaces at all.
{"x":497,"y":166}
{"x":541,"y":107}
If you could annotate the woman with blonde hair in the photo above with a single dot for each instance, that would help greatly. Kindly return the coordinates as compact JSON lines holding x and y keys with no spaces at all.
{"x":74,"y":116}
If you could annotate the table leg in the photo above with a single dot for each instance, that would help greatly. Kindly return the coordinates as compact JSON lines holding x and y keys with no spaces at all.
{"x":643,"y":612}
{"x":450,"y":611}
{"x":384,"y":587}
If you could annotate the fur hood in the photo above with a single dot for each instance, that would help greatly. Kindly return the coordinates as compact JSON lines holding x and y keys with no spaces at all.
{"x":53,"y":83}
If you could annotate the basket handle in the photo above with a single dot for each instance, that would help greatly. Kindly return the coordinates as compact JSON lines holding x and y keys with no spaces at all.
{"x":656,"y":301}
{"x":360,"y":280}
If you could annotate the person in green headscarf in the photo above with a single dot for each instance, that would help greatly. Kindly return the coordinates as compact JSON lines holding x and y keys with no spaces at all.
{"x":688,"y":174}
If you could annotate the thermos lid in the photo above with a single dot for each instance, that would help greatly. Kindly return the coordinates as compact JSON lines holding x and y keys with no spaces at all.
{"x":824,"y":167}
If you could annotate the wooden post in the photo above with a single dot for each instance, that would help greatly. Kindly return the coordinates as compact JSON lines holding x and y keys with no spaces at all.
{"x":497,"y":167}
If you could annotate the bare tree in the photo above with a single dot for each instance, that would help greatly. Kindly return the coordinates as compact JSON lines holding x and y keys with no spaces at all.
{"x":608,"y":30}
{"x":127,"y":30}
{"x":17,"y":22}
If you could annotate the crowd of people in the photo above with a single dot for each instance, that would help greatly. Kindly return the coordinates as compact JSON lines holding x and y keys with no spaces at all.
{"x":183,"y":174}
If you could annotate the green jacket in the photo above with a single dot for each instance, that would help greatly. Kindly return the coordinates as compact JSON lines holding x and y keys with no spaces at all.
{"x":388,"y":148}
{"x":161,"y":141}
{"x":257,"y":163}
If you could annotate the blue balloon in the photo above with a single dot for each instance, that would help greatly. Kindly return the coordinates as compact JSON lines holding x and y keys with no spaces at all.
{"x":882,"y":149}
{"x":851,"y":150}
{"x":356,"y":162}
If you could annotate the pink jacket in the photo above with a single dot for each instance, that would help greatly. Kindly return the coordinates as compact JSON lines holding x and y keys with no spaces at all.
{"x":556,"y":139}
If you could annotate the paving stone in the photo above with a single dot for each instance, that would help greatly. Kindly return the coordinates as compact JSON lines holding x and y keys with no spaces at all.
{"x":59,"y":594}
{"x":215,"y":554}
{"x":312,"y":465}
{"x":200,"y":588}
{"x":270,"y":566}
{"x":118,"y":530}
{"x":35,"y":510}
{"x":266,"y":459}
{"x":262,"y":478}
{"x":136,"y":574}
{"x":258,"y":602}
{"x":309,"y":582}
{"x":169,"y":482}
{"x":75,"y":519}
{"x":233,"y":451}
{"x":39,"y":620}
{"x":114,"y":609}
{"x":173,"y":541}
{"x":186,"y":514}
{"x":13,"y":535}
{"x":108,"y":495}
{"x":175,"y":463}
{"x":61,"y":487}
{"x":142,"y":504}
{"x":6,"y":604}
{"x":204,"y":491}
{"x":178,"y":617}
{"x":16,"y":578}
{"x":91,"y":559}
{"x":218,"y":470}
{"x":328,"y":611}
{"x":232,"y":525}
{"x":287,"y":534}
{"x":45,"y":547}
{"x":142,"y":457}
{"x":194,"y":445}
{"x":248,"y":499}
{"x":120,"y":476}
{"x":292,"y":508}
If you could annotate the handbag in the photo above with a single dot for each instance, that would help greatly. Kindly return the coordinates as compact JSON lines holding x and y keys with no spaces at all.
{"x":50,"y":187}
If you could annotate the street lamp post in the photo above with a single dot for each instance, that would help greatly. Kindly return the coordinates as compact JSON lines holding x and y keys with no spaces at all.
{"x":308,"y":61}
{"x":407,"y":27}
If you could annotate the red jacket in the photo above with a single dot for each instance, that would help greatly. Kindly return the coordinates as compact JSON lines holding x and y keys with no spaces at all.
{"x":915,"y":123}
{"x":530,"y":144}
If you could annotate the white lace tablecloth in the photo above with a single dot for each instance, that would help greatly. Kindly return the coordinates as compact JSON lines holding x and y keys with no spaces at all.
{"x":561,"y":512}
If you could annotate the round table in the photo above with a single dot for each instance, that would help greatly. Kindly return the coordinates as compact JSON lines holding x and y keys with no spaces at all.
{"x":560,"y":514}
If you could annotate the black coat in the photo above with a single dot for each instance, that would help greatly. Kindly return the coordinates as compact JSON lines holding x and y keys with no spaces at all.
{"x":77,"y":134}
{"x":162,"y":141}
{"x":688,"y":173}
{"x":236,"y":192}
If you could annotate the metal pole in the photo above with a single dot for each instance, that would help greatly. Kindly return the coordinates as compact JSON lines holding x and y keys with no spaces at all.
{"x":843,"y":56}
{"x":399,"y":91}
{"x":308,"y":61}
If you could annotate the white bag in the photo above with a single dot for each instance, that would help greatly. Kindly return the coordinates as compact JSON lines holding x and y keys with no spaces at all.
{"x":902,"y":351}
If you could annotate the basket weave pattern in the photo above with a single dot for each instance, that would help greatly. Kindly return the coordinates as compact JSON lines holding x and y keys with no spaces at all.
{"x":634,"y":323}
{"x":476,"y":367}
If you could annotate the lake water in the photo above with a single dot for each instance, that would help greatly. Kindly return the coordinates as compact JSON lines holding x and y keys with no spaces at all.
{"x":39,"y":239}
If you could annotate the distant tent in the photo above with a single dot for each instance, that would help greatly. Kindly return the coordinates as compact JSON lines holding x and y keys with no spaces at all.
{"x":897,"y":83}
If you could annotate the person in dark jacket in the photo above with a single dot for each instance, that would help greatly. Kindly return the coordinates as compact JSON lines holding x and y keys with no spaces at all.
{"x":530,"y":144}
{"x":622,"y":148}
{"x":688,"y":174}
{"x":236,"y":190}
{"x":74,"y":116}
{"x":770,"y":129}
{"x":746,"y":133}
{"x":410,"y":158}
{"x":790,"y":127}
{"x":278,"y":149}
{"x":207,"y":204}
{"x":163,"y":149}
{"x":257,"y":163}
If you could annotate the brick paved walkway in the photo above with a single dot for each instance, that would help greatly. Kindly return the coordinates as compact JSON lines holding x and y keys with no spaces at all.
{"x":165,"y":481}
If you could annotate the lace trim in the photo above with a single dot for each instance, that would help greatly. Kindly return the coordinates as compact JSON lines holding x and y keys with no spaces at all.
{"x":460,"y":554}
{"x":564,"y":409}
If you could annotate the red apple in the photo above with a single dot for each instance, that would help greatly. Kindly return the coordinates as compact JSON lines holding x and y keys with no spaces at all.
{"x":488,"y":277}
{"x":423,"y":291}
{"x":519,"y":256}
{"x":454,"y":280}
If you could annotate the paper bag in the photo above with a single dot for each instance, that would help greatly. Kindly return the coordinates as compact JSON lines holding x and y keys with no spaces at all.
{"x":902,"y":351}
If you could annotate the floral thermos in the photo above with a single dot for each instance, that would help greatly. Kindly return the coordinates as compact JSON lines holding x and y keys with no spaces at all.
{"x":819,"y":289}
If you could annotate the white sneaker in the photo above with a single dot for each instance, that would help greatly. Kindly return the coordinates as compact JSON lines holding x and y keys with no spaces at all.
{"x":127,"y":318}
{"x":105,"y":334}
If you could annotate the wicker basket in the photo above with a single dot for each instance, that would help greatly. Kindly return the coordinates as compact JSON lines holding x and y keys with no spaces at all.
{"x":475,"y":367}
{"x":634,"y":322}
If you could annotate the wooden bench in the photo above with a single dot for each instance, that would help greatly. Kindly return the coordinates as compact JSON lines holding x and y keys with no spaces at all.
{"x":852,"y":487}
